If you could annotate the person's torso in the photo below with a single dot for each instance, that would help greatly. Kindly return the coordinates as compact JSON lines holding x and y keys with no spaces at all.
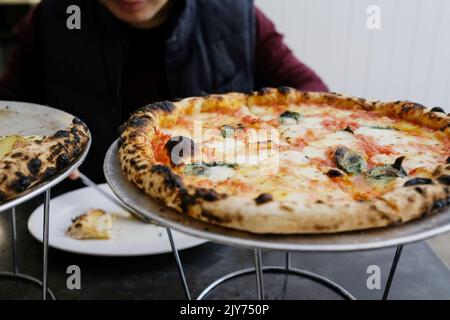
{"x":210,"y":49}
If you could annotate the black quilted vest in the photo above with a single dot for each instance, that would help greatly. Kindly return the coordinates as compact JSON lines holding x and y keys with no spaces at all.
{"x":211,"y":50}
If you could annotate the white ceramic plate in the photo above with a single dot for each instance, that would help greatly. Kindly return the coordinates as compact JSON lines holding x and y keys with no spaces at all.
{"x":130,"y":237}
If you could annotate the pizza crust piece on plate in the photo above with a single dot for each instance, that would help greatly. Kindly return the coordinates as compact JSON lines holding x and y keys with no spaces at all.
{"x":94,"y":224}
{"x":348,"y":164}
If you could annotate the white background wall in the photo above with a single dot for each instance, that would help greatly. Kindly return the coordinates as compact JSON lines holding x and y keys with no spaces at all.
{"x":408,"y":58}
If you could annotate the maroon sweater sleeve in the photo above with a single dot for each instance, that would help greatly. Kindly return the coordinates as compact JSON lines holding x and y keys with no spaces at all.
{"x":22,"y":77}
{"x":276,"y":65}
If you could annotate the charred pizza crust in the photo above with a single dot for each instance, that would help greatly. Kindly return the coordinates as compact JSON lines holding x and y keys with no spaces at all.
{"x":35,"y":161}
{"x":416,"y":198}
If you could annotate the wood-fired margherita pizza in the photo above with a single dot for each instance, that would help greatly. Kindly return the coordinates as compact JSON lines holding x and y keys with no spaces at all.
{"x":283,"y":161}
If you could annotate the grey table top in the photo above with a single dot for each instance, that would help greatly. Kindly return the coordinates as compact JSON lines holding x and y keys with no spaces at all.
{"x":420,"y":275}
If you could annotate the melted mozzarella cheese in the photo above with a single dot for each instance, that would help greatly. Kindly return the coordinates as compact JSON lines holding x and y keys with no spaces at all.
{"x":390,"y":137}
{"x":310,"y":173}
{"x":293,"y":156}
{"x":294,"y":130}
{"x":336,"y":139}
{"x":220,"y":173}
{"x":313,"y":152}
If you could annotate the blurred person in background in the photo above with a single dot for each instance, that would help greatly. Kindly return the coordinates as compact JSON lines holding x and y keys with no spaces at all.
{"x":129,"y":53}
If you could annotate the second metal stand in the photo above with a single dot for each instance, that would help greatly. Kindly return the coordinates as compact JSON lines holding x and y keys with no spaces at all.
{"x":287,"y":269}
{"x":15,"y":274}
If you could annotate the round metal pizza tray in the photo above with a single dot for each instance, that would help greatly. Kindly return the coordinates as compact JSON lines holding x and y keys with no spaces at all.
{"x":20,"y":118}
{"x":147,"y":208}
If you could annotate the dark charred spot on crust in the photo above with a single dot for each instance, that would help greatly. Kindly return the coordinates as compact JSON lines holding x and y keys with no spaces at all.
{"x":55,"y":150}
{"x":407,"y":107}
{"x":445,"y":127}
{"x":17,"y":155}
{"x":21,"y":183}
{"x":320,"y":227}
{"x":61,"y":134}
{"x":139,"y":121}
{"x":133,"y":135}
{"x":440,"y":205}
{"x":186,"y":200}
{"x":305,"y":95}
{"x":210,"y":216}
{"x":284,"y":90}
{"x":417,"y":181}
{"x":137,"y":166}
{"x":141,"y":167}
{"x":448,"y":160}
{"x":49,"y":172}
{"x":166,"y":106}
{"x":438,"y":109}
{"x":263,"y":91}
{"x":419,"y":190}
{"x":76,"y":137}
{"x":286,"y":208}
{"x":171,"y":180}
{"x":263,"y":198}
{"x":444,"y":180}
{"x":120,"y":141}
{"x":34,"y":165}
{"x":78,"y":225}
{"x":386,"y":217}
{"x":208,"y":194}
{"x":333,"y":173}
{"x":77,"y":121}
{"x":76,"y":152}
{"x":184,"y":144}
{"x":62,"y":161}
{"x":74,"y":130}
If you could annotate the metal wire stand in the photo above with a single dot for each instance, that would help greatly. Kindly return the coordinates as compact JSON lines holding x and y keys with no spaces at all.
{"x":259,"y":269}
{"x":387,"y":288}
{"x":287,"y":269}
{"x":15,"y":274}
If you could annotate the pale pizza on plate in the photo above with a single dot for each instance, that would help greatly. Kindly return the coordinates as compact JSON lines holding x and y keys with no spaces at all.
{"x":281,"y":161}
